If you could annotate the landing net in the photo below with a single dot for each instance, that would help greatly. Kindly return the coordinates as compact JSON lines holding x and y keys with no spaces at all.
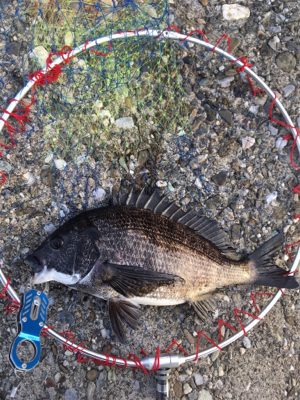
{"x":141,"y":106}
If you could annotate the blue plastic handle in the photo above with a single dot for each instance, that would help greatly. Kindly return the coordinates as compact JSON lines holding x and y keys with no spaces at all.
{"x":31,"y":319}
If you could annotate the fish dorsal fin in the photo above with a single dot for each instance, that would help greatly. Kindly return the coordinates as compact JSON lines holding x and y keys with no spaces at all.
{"x":202,"y":225}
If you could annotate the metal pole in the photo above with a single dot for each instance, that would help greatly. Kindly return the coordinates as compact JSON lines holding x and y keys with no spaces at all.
{"x":162,"y":383}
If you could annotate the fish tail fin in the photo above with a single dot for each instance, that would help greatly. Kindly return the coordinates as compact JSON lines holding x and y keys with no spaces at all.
{"x":265,"y":272}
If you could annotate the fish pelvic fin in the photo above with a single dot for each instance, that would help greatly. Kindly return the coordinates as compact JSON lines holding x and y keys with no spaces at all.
{"x":122,"y":310}
{"x":264,"y":271}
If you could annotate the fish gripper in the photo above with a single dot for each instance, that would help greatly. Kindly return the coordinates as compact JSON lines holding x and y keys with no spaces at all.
{"x":31,"y":321}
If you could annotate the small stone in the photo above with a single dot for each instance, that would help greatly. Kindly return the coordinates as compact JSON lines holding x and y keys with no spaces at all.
{"x":99,"y":193}
{"x":161,"y":184}
{"x":286,"y":61}
{"x":247,"y":142}
{"x":254,"y":109}
{"x":287,"y":90}
{"x":274,"y":43}
{"x":242,"y":351}
{"x":235,"y":41}
{"x":272,"y":129}
{"x":204,"y":3}
{"x":136,"y":385}
{"x":246,"y":342}
{"x":125,"y":123}
{"x":91,"y":390}
{"x":189,"y":336}
{"x":5,"y":166}
{"x":49,"y":228}
{"x":41,"y":55}
{"x":271,"y":197}
{"x":233,"y":12}
{"x":123,"y":164}
{"x":60,"y":164}
{"x":101,"y":379}
{"x":221,"y":371}
{"x":275,"y":29}
{"x":220,"y":178}
{"x":192,"y":395}
{"x":50,"y":383}
{"x":69,"y":39}
{"x":281,"y":143}
{"x":199,"y":379}
{"x":290,"y":320}
{"x":92,"y":374}
{"x":225,"y":82}
{"x":226,"y":115}
{"x":186,"y":388}
{"x":13,"y":49}
{"x":205,"y":395}
{"x":29,"y":178}
{"x":170,"y":187}
{"x":177,"y":389}
{"x":71,"y":394}
{"x":215,"y":355}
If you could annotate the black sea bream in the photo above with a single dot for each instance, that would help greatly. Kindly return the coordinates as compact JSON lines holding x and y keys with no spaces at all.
{"x":145,"y":250}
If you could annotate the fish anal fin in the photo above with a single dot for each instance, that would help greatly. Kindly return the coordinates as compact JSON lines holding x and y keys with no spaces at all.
{"x":122,"y":310}
{"x":206,"y":303}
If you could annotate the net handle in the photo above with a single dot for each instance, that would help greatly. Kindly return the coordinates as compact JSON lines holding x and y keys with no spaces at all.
{"x":166,"y":361}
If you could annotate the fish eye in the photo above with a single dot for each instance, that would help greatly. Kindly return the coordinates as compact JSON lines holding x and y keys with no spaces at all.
{"x":56,"y":242}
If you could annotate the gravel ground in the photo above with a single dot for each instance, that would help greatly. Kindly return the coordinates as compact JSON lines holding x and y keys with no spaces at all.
{"x":214,"y":149}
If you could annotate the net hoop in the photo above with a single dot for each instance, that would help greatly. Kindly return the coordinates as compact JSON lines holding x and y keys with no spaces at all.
{"x":165,"y":360}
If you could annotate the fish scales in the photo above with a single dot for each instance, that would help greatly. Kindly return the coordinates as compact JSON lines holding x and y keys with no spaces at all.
{"x":140,"y":237}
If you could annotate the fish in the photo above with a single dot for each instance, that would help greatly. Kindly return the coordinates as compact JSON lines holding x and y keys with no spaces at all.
{"x":144,"y":250}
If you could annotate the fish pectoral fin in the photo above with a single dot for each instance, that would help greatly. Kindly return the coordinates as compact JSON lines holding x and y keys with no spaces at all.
{"x":120,"y":310}
{"x":205,"y":304}
{"x":135,"y":281}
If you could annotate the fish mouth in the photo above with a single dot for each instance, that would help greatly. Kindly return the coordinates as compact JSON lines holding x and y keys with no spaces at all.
{"x":34,"y":263}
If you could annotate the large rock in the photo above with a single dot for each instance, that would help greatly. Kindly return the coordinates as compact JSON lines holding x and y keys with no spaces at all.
{"x":233,"y":12}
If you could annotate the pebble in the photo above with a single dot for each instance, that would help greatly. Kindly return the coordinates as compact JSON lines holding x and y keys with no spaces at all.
{"x":286,"y":61}
{"x":233,"y":12}
{"x":221,"y":371}
{"x":287,"y":90}
{"x":246,"y":342}
{"x":123,"y":164}
{"x":247,"y":142}
{"x":101,"y":379}
{"x":170,"y":187}
{"x":220,"y":178}
{"x":29,"y":178}
{"x":92,"y":374}
{"x":274,"y":43}
{"x":281,"y":143}
{"x":5,"y":166}
{"x":275,"y":29}
{"x":177,"y":389}
{"x":215,"y":355}
{"x":91,"y":390}
{"x":161,"y":184}
{"x":272,"y":129}
{"x":49,"y":228}
{"x":205,"y":395}
{"x":199,"y":379}
{"x":271,"y":197}
{"x":226,"y":115}
{"x":189,"y":336}
{"x":125,"y":123}
{"x":99,"y":193}
{"x":69,"y":39}
{"x":242,"y":351}
{"x":13,"y":49}
{"x":186,"y":388}
{"x":41,"y":54}
{"x":71,"y":394}
{"x":225,"y":82}
{"x":60,"y":164}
